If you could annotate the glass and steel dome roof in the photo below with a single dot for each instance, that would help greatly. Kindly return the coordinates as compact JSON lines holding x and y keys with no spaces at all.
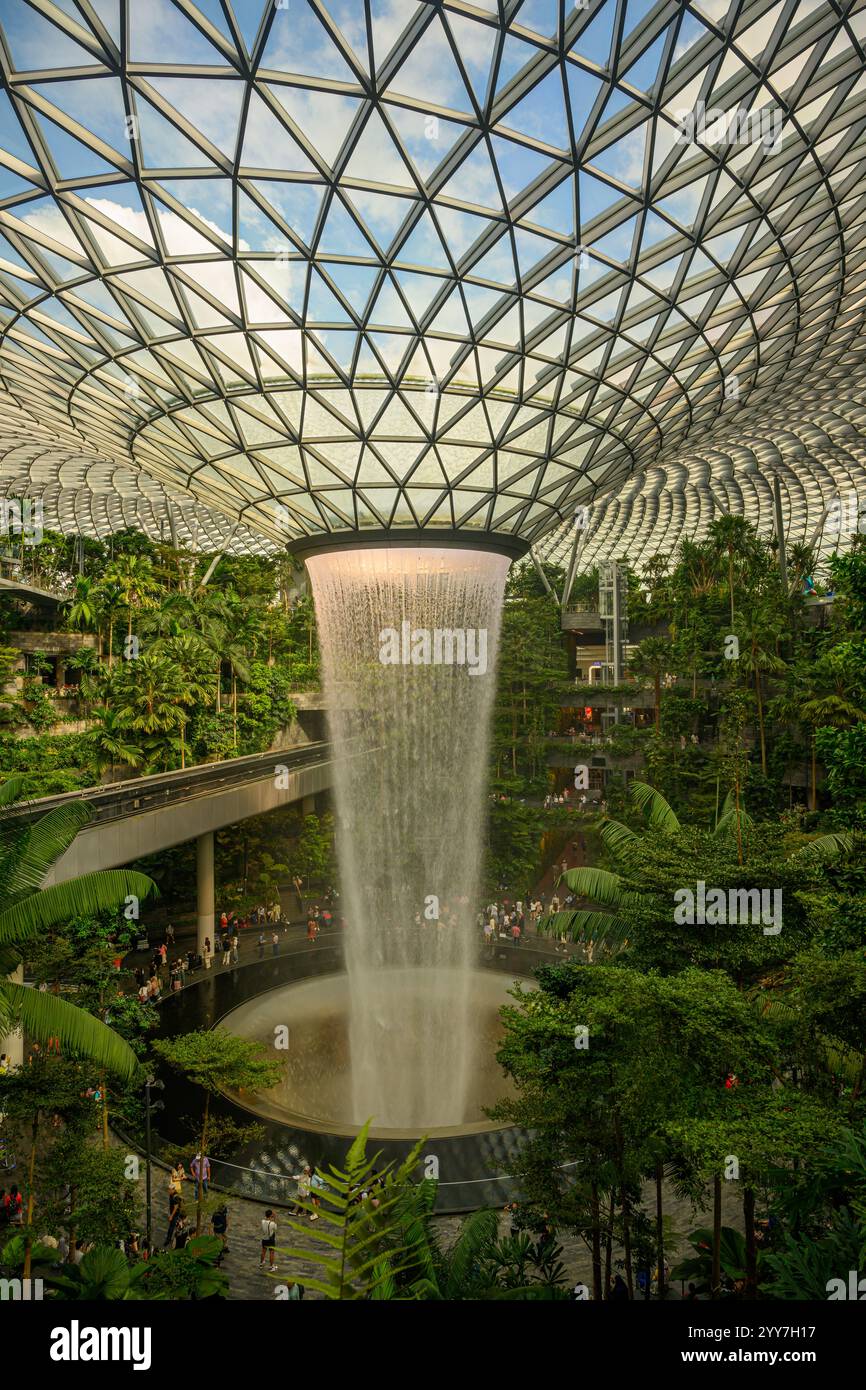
{"x":340,"y":265}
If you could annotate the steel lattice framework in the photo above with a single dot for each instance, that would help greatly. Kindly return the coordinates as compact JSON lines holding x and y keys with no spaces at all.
{"x":336,"y":265}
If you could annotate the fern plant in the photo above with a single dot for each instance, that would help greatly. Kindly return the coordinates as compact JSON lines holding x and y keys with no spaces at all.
{"x":365,"y":1247}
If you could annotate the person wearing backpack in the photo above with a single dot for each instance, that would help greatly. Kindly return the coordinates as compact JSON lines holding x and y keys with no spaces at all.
{"x":269,"y":1240}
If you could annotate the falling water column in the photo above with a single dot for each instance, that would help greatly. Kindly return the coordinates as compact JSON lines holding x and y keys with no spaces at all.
{"x":409,"y":638}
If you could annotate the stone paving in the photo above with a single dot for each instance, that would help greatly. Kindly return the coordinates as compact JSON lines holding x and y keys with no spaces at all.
{"x":248,"y":1280}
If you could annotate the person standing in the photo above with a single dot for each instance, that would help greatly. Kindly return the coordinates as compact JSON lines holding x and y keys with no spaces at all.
{"x":203,"y":1168}
{"x":269,"y":1240}
{"x":227,"y":950}
{"x":207,"y":953}
{"x":275,"y":944}
{"x":235,"y":945}
{"x":219,"y":1223}
{"x":169,"y":935}
{"x":261,"y":944}
{"x":312,"y":930}
{"x":304,"y":1186}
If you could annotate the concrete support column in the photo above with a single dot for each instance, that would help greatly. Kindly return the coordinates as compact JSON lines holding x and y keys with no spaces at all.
{"x":205,"y":889}
{"x":13,"y":1043}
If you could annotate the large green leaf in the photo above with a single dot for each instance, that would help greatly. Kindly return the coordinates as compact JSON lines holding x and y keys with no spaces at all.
{"x":10,"y":790}
{"x":104,"y":890}
{"x":654,"y":806}
{"x":51,"y":835}
{"x":619,"y":839}
{"x":599,"y":885}
{"x":835,"y":845}
{"x":728,"y":822}
{"x":43,"y":1016}
{"x":605,"y":927}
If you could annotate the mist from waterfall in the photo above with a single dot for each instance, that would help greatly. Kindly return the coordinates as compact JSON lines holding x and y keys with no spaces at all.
{"x":409,"y":722}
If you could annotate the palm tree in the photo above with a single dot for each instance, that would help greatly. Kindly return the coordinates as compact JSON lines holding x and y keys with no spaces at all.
{"x":149,"y":697}
{"x":830,"y":701}
{"x":189,"y":654}
{"x":109,"y":599}
{"x":112,"y":744}
{"x":28,"y":852}
{"x":133,"y":575}
{"x":83,"y":606}
{"x":733,"y":535}
{"x":758,"y":640}
{"x":654,"y":658}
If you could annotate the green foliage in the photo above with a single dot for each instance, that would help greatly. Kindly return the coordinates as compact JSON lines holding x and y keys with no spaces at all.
{"x":364,"y":1253}
{"x":28,"y":852}
{"x":215,"y":1059}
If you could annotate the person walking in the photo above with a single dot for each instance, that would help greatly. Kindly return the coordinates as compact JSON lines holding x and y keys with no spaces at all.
{"x":227,"y":950}
{"x":176,"y":1217}
{"x":207,"y":953}
{"x":275,"y":944}
{"x":269,"y":1240}
{"x":312,"y":930}
{"x":235,"y":945}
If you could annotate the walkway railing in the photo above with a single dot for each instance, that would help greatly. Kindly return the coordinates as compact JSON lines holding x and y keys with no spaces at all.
{"x":139,"y":794}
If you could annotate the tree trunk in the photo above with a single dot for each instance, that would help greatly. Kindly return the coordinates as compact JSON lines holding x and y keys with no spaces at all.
{"x":731,"y":580}
{"x":597,"y":1291}
{"x":608,"y":1248}
{"x":104,"y":1089}
{"x":751,"y":1247}
{"x":626,"y":1240}
{"x":658,"y":698}
{"x":31,"y":1171}
{"x":814,"y":787}
{"x":660,"y":1231}
{"x":716,"y":1276}
{"x":70,"y":1232}
{"x":761,"y":732}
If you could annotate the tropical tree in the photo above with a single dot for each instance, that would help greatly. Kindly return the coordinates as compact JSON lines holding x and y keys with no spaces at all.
{"x":834,"y":700}
{"x":149,"y":696}
{"x":655,"y":659}
{"x":216,"y":1060}
{"x":618,"y":900}
{"x":83,"y":606}
{"x":29,"y":850}
{"x":133,"y":576}
{"x":758,"y":638}
{"x":111,"y":741}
